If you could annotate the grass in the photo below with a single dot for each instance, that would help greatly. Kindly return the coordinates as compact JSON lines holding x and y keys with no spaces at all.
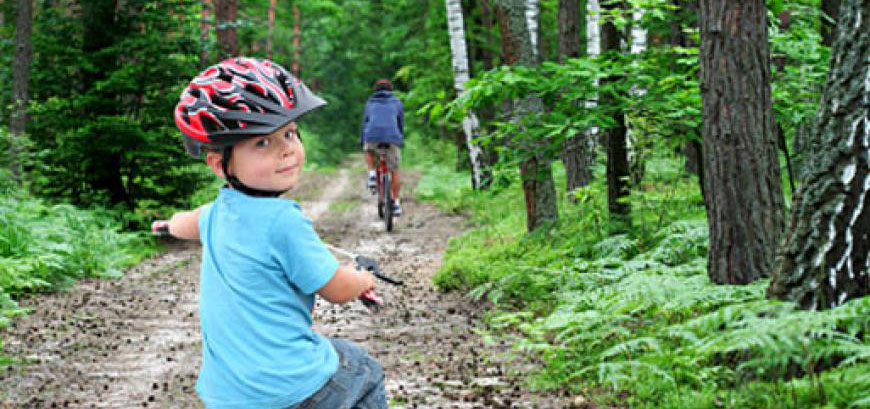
{"x":631,"y":319}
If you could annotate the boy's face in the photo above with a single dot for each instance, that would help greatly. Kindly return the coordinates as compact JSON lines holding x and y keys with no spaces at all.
{"x":271,"y":162}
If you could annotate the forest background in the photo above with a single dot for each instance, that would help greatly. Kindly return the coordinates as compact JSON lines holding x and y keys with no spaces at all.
{"x":592,"y":182}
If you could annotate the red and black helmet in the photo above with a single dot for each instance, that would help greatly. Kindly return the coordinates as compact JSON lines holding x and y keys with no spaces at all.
{"x":239,"y":98}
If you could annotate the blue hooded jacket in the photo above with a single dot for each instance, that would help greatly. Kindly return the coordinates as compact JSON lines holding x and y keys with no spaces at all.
{"x":383,"y":119}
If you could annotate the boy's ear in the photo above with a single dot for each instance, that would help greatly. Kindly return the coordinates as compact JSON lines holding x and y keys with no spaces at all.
{"x":214,"y":159}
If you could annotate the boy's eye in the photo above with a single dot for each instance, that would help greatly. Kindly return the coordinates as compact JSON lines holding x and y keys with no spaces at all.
{"x":291,"y":134}
{"x":262,"y":142}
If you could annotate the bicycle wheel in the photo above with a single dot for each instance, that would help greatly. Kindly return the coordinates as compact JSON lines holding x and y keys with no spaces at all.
{"x":388,"y":203}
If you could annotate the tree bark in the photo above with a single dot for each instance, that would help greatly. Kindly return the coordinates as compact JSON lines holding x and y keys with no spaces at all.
{"x":825,"y":258}
{"x":21,"y":78}
{"x":509,"y":53}
{"x":204,"y":28}
{"x":617,"y":150}
{"x":227,"y":35}
{"x":535,"y":169}
{"x":831,"y":10}
{"x":743,"y":192}
{"x":574,"y":153}
{"x":470,"y":125}
{"x":297,"y":40}
{"x":271,"y":17}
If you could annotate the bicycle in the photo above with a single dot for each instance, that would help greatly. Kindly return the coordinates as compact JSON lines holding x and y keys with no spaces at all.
{"x":370,"y":299}
{"x":382,"y":187}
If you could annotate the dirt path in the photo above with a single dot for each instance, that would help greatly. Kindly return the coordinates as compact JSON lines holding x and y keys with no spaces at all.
{"x":134,"y":342}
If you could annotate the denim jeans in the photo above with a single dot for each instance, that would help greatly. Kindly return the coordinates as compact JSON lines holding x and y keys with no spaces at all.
{"x":358,"y":383}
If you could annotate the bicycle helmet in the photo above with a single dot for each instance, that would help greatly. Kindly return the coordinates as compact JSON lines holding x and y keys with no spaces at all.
{"x":236,"y":99}
{"x":239,"y":98}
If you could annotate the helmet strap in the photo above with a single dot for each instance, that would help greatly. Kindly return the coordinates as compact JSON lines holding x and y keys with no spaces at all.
{"x":237,"y":184}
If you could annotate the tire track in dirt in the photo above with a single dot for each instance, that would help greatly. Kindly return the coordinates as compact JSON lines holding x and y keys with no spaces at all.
{"x":134,"y":342}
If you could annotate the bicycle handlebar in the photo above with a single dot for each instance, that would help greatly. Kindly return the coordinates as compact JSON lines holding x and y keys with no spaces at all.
{"x":372,"y":301}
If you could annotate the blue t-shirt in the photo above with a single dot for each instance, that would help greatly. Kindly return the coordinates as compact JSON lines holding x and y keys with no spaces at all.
{"x":262,"y":262}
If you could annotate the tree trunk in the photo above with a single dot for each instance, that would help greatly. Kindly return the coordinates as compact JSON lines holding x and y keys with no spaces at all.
{"x":743,"y":191}
{"x":574,"y":154}
{"x":271,"y":17}
{"x":535,"y":169}
{"x":470,"y":124}
{"x":204,"y":27}
{"x":638,"y":143}
{"x":509,"y":53}
{"x":482,"y":53}
{"x":532,"y":13}
{"x":825,"y":259}
{"x":593,"y":49}
{"x":21,"y":77}
{"x":297,"y":40}
{"x":617,"y":149}
{"x":227,"y":36}
{"x":831,"y":10}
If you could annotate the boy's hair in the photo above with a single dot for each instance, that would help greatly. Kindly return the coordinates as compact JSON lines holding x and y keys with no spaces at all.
{"x":383,"y":84}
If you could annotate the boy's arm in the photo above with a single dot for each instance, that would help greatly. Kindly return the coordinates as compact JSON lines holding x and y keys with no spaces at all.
{"x":185,"y":225}
{"x":347,"y":284}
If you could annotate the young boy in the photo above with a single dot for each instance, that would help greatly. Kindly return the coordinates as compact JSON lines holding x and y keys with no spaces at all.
{"x":262,"y":262}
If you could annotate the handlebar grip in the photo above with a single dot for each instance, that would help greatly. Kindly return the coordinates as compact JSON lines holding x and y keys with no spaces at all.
{"x":371,"y":300}
{"x":160,"y":228}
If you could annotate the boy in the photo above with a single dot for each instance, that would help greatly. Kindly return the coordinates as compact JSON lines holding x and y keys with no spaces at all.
{"x":262,"y":261}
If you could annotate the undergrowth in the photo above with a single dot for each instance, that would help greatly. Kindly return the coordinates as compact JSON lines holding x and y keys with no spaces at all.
{"x":46,"y":247}
{"x":632,"y":319}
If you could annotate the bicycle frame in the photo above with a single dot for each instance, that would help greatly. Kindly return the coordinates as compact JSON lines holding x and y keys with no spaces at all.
{"x":384,"y":179}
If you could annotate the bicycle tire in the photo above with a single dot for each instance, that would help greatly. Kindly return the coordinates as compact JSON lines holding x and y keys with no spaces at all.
{"x":380,"y":191}
{"x":388,"y":203}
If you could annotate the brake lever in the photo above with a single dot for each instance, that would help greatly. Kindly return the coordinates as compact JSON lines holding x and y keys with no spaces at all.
{"x":367,"y":264}
{"x":370,"y":265}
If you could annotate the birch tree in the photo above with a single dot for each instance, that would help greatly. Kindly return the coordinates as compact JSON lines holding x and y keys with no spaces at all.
{"x":459,"y":54}
{"x":825,"y":259}
{"x":532,"y":11}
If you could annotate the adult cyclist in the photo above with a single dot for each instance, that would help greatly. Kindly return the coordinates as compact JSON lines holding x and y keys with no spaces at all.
{"x":383,"y":123}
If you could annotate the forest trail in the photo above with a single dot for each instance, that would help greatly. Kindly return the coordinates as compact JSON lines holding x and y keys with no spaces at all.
{"x":134,"y":342}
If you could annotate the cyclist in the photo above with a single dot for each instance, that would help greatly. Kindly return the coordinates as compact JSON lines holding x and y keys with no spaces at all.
{"x":262,"y":261}
{"x":383,"y":123}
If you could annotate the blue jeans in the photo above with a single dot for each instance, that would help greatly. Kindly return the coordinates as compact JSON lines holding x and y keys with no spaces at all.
{"x":358,"y":383}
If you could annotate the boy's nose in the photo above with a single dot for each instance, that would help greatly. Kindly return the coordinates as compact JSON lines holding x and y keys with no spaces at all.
{"x":287,"y":147}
